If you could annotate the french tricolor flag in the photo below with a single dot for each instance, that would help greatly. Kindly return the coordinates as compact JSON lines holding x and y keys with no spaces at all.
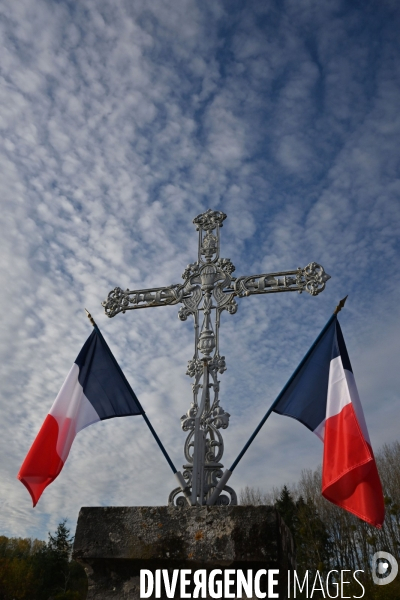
{"x":322,"y":394}
{"x":95,"y":389}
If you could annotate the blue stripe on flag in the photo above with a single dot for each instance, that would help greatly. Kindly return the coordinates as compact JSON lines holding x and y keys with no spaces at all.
{"x":341,"y":349}
{"x":305,"y":398}
{"x":102,"y":383}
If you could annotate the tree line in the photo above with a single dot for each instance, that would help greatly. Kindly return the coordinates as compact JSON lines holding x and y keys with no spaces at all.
{"x":328,"y":537}
{"x":38,"y":570}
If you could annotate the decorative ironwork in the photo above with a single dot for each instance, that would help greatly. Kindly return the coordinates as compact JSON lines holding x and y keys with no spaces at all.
{"x":207,"y":290}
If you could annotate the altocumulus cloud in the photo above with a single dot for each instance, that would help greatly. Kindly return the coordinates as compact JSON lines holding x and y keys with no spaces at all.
{"x":120,"y":122}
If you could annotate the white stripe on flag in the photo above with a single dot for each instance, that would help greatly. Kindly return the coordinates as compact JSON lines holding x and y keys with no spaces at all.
{"x":72,"y":411}
{"x":342,"y":390}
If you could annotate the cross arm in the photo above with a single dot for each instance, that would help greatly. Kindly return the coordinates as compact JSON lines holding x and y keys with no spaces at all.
{"x":311,"y":279}
{"x":119,"y":300}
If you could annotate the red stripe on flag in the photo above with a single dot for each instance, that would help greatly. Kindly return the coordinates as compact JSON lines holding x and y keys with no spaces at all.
{"x":349,"y":475}
{"x":42,"y":463}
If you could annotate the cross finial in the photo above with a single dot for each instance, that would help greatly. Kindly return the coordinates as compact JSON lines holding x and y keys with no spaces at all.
{"x":209,"y":220}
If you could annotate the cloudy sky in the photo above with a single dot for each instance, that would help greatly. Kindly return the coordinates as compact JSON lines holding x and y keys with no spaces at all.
{"x":121,"y":120}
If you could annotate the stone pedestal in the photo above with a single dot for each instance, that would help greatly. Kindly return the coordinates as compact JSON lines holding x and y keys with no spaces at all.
{"x":115,"y":543}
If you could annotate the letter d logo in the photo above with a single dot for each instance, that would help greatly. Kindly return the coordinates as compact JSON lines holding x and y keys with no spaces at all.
{"x":384,"y":568}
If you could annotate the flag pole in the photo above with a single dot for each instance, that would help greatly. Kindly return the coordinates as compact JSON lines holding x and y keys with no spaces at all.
{"x":228,"y":472}
{"x":182,"y":482}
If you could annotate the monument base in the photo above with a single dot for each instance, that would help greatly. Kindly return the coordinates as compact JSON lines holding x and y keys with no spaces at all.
{"x":115,"y":543}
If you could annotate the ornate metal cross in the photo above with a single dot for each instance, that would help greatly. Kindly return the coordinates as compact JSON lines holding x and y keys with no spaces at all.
{"x":208,"y":288}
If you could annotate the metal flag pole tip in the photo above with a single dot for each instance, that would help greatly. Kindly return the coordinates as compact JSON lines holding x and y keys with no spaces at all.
{"x":340,"y":305}
{"x":89,"y":316}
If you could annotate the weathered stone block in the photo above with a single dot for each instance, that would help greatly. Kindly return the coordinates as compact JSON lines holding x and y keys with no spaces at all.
{"x":115,"y":543}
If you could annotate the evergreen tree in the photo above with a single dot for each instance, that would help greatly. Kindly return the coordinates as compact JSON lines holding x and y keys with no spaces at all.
{"x":287,"y":509}
{"x":57,"y":554}
{"x":312,"y":538}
